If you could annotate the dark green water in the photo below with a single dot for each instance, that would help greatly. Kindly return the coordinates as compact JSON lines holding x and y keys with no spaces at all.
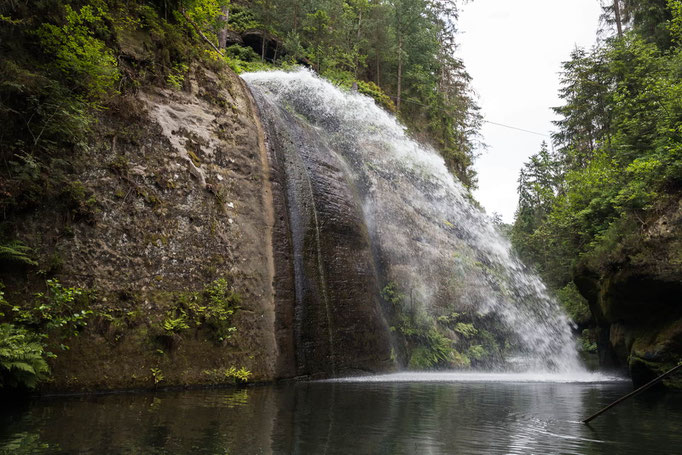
{"x":351,"y":418}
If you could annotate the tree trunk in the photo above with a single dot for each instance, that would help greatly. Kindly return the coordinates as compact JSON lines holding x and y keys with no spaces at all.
{"x":616,"y":11}
{"x":357,"y":40}
{"x":222,"y":33}
{"x":400,"y":73}
{"x":262,"y":47}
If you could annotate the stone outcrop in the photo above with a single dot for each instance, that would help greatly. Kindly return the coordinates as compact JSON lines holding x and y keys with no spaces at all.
{"x":635,"y":296}
{"x":181,"y":188}
{"x":179,"y":196}
{"x":329,"y":316}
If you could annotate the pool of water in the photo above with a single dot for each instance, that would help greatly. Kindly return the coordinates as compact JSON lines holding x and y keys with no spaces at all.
{"x":394,"y":414}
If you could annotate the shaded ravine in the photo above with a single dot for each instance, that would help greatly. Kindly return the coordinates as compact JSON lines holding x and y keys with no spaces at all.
{"x":360,"y":204}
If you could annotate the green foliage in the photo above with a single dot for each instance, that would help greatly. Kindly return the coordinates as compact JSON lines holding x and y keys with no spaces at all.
{"x":449,"y":341}
{"x":618,"y":162}
{"x":79,"y":54}
{"x":587,"y":341}
{"x":574,"y":303}
{"x":477,"y":352}
{"x":157,"y":375}
{"x":175,"y":321}
{"x":16,"y":252}
{"x":211,"y":308}
{"x":220,"y":304}
{"x":433,"y":350}
{"x":205,"y":13}
{"x":57,"y":314}
{"x":426,"y":346}
{"x":467,"y":330}
{"x":22,"y":358}
{"x":230,"y":375}
{"x":176,"y":75}
{"x":63,"y":310}
{"x":372,"y":90}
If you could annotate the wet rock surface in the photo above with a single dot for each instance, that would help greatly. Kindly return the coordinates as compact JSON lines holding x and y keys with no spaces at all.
{"x":329,"y":317}
{"x":636,"y":298}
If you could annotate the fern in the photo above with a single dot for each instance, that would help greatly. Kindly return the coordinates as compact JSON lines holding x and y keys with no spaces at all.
{"x":16,"y":252}
{"x":22,"y":358}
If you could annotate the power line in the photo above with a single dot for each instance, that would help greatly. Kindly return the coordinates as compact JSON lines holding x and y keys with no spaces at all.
{"x":516,"y":128}
{"x":484,"y":121}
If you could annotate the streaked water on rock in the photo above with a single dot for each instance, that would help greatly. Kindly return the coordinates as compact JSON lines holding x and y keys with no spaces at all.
{"x":427,"y":234}
{"x":462,"y":415}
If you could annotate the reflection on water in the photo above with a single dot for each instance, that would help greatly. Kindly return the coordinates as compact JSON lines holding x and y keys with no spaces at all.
{"x":352,"y":418}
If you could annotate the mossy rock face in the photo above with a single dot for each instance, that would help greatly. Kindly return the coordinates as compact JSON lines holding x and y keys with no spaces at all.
{"x":656,"y":352}
{"x":632,"y":295}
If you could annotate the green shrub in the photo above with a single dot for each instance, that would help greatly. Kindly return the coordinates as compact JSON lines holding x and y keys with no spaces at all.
{"x":22,"y":358}
{"x":588,"y":341}
{"x":467,"y":330}
{"x":211,"y":308}
{"x":372,"y":90}
{"x":431,"y":349}
{"x":231,"y":374}
{"x":574,"y":303}
{"x":220,"y":304}
{"x":62,"y":309}
{"x":175,"y":321}
{"x":87,"y":62}
{"x":176,"y":76}
{"x":245,"y":54}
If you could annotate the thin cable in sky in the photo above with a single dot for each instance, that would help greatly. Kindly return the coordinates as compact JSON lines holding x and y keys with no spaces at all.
{"x":516,"y":128}
{"x":409,"y":100}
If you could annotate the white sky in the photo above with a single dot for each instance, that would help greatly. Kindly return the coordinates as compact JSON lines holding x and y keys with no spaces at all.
{"x":513,"y":50}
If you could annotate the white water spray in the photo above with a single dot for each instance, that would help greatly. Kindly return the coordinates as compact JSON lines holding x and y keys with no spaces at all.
{"x":434,"y":241}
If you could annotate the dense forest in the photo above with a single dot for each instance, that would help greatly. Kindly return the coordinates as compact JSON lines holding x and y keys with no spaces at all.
{"x":593,"y":200}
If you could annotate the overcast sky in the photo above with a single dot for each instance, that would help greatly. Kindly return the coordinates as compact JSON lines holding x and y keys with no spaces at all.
{"x":513,"y":50}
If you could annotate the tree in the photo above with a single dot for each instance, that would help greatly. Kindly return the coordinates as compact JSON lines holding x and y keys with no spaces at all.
{"x":407,"y":19}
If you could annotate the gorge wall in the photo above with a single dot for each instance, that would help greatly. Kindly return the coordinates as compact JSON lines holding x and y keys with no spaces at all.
{"x":182,"y":190}
{"x":178,"y":196}
{"x":634,"y":294}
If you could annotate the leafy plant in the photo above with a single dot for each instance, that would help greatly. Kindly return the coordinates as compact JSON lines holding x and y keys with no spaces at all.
{"x":176,"y":76}
{"x":22,"y":358}
{"x":211,"y":308}
{"x":63,"y":309}
{"x":83,"y":58}
{"x":16,"y":252}
{"x":157,"y":375}
{"x":175,"y":321}
{"x":219,"y":304}
{"x":231,"y":374}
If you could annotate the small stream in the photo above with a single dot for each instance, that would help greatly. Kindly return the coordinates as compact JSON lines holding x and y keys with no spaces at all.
{"x":422,"y":413}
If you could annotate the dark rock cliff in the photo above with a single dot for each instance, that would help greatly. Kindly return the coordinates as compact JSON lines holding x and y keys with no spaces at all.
{"x":329,"y":317}
{"x":635,"y":295}
{"x":183,"y":189}
{"x":179,"y":197}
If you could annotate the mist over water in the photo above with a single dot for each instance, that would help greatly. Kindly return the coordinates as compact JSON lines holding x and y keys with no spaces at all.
{"x":428,"y":235}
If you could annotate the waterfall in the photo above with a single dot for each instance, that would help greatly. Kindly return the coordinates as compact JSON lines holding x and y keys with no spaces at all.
{"x":412,"y":223}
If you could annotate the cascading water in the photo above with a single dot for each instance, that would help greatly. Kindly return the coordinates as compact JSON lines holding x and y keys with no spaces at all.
{"x":411,"y":223}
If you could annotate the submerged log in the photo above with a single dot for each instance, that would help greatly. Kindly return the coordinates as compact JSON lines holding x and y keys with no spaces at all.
{"x":633,"y":393}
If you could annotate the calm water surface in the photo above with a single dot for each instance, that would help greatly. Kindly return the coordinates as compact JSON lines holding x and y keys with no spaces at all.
{"x":395,"y":415}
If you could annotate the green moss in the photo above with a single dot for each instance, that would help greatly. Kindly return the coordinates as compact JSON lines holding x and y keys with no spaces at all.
{"x":195,"y":159}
